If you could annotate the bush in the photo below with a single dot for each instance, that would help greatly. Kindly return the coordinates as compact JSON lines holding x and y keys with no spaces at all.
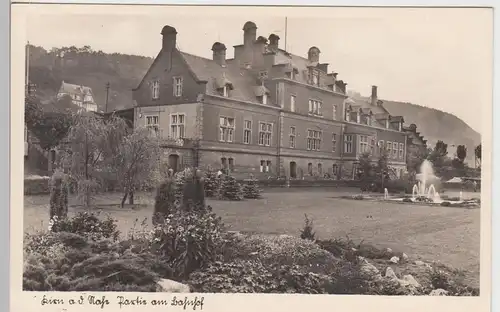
{"x":211,"y":183}
{"x":283,"y":250}
{"x":244,"y":276}
{"x":451,"y":282}
{"x":251,"y":189}
{"x":58,"y":195}
{"x":88,"y":225}
{"x":71,"y":262}
{"x":407,"y":200}
{"x":188,"y":240}
{"x":347,"y":249}
{"x":358,"y":197}
{"x":230,"y":189}
{"x":446,"y":204}
{"x":307,"y":232}
{"x":36,"y":185}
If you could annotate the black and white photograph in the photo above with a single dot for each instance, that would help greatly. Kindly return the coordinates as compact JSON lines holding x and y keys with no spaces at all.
{"x":264,"y":150}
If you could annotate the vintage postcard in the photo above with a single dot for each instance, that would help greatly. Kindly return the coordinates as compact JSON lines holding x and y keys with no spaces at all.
{"x":198,"y":157}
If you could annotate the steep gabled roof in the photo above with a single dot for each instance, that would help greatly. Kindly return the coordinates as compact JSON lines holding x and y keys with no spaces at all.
{"x":75,"y":89}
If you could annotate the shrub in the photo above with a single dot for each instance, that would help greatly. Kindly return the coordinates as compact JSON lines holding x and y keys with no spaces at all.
{"x":245,"y":276}
{"x":357,"y":197}
{"x":80,"y":264}
{"x":452,"y":282}
{"x":251,"y":189}
{"x":35,"y":185}
{"x":230,"y":189}
{"x":446,"y":204}
{"x":211,"y":183}
{"x":347,"y":249}
{"x":58,"y":195}
{"x":283,"y":250}
{"x":188,"y":240}
{"x":307,"y":232}
{"x":407,"y":200}
{"x":88,"y":225}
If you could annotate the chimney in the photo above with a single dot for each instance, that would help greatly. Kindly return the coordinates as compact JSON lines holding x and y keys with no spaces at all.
{"x":274,"y":42}
{"x":249,"y":33}
{"x":219,"y":55}
{"x":374,"y":96}
{"x":169,"y":38}
{"x":313,"y":54}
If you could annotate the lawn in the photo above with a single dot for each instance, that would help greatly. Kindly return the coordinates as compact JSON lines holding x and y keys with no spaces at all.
{"x":446,"y":234}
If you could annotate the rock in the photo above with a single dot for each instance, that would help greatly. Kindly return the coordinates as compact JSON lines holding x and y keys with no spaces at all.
{"x":409,"y":280}
{"x":438,"y":292}
{"x":171,"y":286}
{"x":405,"y":257}
{"x":394,"y":259}
{"x":389,"y":273}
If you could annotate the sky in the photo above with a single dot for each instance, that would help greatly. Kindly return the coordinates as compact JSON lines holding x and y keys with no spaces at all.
{"x":439,"y":58}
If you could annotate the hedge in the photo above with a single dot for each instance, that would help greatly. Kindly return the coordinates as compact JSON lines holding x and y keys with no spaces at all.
{"x":36,"y":185}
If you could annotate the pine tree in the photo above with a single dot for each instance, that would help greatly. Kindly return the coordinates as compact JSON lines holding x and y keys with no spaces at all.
{"x":211,"y":183}
{"x":251,"y":189}
{"x":230,"y":189}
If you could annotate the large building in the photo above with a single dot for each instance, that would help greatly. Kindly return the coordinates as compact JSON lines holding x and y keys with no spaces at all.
{"x":81,"y":96}
{"x":265,"y":111}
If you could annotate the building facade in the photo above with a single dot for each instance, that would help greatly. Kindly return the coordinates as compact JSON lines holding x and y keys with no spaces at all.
{"x":265,"y":112}
{"x":81,"y":96}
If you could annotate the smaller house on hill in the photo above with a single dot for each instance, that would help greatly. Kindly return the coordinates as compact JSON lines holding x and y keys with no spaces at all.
{"x":81,"y":96}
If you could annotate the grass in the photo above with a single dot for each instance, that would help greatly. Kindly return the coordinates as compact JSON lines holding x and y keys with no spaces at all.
{"x":443,"y":234}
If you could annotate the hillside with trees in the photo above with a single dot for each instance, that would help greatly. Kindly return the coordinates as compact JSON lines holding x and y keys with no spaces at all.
{"x":435,"y":125}
{"x":84,"y":66}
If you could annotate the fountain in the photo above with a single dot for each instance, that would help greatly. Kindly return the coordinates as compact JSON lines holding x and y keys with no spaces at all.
{"x":461,"y":196}
{"x":386,"y":193}
{"x":424,"y":190}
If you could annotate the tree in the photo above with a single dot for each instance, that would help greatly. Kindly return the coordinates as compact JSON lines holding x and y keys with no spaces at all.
{"x":32,"y":111}
{"x":366,"y":168}
{"x":414,"y":158}
{"x":438,"y":156}
{"x":90,"y":138}
{"x":477,"y":152}
{"x":461,"y":152}
{"x":135,"y":160}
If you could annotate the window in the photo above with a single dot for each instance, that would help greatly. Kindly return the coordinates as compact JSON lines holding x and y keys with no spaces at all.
{"x":152,"y":124}
{"x":334,"y":142}
{"x":389,"y":149}
{"x":225,"y":91}
{"x":334,"y":112}
{"x":292,"y":103}
{"x":401,"y":150}
{"x":310,"y":168}
{"x":292,"y":137}
{"x":223,"y":162}
{"x":372,"y":145}
{"x":347,"y":115}
{"x":263,"y":75}
{"x":247,"y":132}
{"x":177,"y":126}
{"x":265,"y":131}
{"x":313,"y":140}
{"x":156,"y":90}
{"x":265,"y":166}
{"x":314,"y":77}
{"x":381,"y":144}
{"x":320,"y":169}
{"x":395,"y":150}
{"x":347,"y":143}
{"x":231,"y":164}
{"x":315,"y":107}
{"x":263,"y":99}
{"x":177,"y":86}
{"x":363,"y":144}
{"x":226,"y":129}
